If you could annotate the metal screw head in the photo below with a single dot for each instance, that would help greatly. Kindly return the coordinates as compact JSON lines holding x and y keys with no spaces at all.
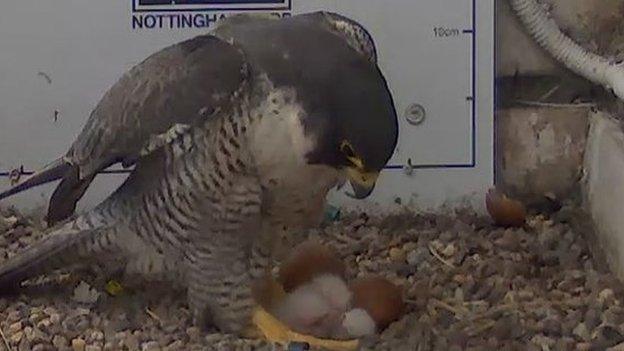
{"x":409,"y":167}
{"x":415,"y":114}
{"x":15,"y":175}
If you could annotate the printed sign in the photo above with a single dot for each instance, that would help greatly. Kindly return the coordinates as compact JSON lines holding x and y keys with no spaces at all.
{"x":210,"y":5}
{"x":180,"y":14}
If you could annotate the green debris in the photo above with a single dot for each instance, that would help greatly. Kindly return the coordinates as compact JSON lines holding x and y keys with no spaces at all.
{"x":113,"y":288}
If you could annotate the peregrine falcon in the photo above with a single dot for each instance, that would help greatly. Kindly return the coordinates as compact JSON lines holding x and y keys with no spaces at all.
{"x":235,"y":136}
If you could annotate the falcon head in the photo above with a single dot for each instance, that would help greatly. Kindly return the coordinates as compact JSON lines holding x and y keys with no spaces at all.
{"x":357,"y":131}
{"x":352,"y":114}
{"x":346,"y":115}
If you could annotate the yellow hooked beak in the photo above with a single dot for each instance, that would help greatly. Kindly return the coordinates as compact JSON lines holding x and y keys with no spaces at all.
{"x":362,"y":182}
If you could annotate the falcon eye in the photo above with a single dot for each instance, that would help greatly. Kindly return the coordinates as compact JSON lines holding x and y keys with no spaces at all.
{"x":347,"y":150}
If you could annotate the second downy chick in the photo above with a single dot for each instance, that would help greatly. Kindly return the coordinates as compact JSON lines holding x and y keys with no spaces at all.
{"x":317,"y":307}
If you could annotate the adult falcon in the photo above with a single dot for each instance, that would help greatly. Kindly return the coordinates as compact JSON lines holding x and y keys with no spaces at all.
{"x":235,"y":136}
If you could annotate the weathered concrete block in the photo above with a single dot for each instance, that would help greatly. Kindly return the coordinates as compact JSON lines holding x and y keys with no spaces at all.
{"x":540,"y":151}
{"x":603,"y":187}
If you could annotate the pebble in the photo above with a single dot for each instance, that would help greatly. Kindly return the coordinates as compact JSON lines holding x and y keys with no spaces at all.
{"x":24,"y":345}
{"x":509,"y":241}
{"x":96,"y":335}
{"x":543,"y":341}
{"x":561,"y":301}
{"x":618,"y":347}
{"x":10,"y":222}
{"x":59,"y":341}
{"x":552,"y":325}
{"x":15,"y":327}
{"x":78,"y":344}
{"x":607,"y":336}
{"x":564,"y":344}
{"x":409,"y":246}
{"x":34,"y":335}
{"x":44,"y":323}
{"x":43,"y":347}
{"x":150,"y":346}
{"x":131,"y":342}
{"x":50,"y":311}
{"x":193,"y":333}
{"x":592,"y":318}
{"x":613,"y":315}
{"x":397,"y":255}
{"x":176,"y":345}
{"x":582,"y":332}
{"x":16,"y":337}
{"x":606,"y":297}
{"x":449,"y":250}
{"x":14,"y":316}
{"x":418,"y":256}
{"x":55,"y":318}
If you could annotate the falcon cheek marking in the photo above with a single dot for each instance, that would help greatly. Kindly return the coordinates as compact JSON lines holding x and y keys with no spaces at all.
{"x":280,"y":132}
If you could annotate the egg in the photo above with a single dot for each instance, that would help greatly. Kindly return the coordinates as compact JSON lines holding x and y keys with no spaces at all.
{"x":379,"y":297}
{"x":505,"y":211}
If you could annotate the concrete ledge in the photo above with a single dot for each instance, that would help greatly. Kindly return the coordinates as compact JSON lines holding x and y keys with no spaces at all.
{"x":603,"y":187}
{"x":540,"y":151}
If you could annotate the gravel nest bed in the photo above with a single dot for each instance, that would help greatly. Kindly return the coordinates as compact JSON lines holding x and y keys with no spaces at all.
{"x":469,"y":286}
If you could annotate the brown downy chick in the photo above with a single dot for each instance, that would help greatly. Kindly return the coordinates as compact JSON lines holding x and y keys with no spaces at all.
{"x":307,"y":261}
{"x":376,"y":303}
{"x":316,"y":307}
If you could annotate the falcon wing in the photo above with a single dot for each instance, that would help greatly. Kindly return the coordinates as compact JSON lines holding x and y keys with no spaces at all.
{"x":178,"y":85}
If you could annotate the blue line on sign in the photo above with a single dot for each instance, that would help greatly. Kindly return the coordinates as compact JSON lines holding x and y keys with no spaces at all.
{"x":106,"y":171}
{"x":495,"y":99}
{"x":429,"y":166}
{"x":474,"y":83}
{"x":6,"y":174}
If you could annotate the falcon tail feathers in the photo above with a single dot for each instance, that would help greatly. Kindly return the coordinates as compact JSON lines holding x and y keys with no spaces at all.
{"x":54,"y":171}
{"x":54,"y":251}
